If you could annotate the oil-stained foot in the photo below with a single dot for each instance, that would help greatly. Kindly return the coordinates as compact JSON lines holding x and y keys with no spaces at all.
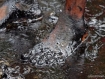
{"x":63,"y":40}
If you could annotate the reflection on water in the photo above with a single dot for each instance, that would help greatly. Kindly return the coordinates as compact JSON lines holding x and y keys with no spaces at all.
{"x":13,"y":43}
{"x":95,"y":46}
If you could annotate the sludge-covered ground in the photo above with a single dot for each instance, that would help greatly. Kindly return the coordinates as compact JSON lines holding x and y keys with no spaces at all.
{"x":19,"y":41}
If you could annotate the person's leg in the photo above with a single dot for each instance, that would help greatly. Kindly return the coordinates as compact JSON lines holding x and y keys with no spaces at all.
{"x":75,"y":8}
{"x":71,"y":18}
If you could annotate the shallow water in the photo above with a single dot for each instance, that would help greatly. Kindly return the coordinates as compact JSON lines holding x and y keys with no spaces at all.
{"x":90,"y":65}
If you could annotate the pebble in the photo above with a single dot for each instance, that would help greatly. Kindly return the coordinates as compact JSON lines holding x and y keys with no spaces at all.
{"x":53,"y":19}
